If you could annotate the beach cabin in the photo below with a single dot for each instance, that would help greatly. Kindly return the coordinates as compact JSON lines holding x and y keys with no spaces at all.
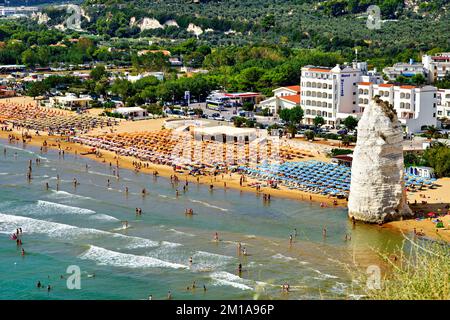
{"x":226,"y":134}
{"x":423,"y":172}
{"x":71,"y":102}
{"x":133,"y":113}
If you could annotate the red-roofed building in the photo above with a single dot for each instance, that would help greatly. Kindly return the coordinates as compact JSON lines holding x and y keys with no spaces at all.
{"x":284,"y":97}
{"x":415,"y":106}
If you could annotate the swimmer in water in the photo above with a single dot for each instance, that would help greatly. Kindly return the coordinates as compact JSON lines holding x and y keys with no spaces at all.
{"x":23,"y":252}
{"x":290,"y":239}
{"x":190,"y":261}
{"x":216,"y":237}
{"x":240,"y":269}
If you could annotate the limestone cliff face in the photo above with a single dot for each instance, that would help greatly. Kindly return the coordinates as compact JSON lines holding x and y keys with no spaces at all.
{"x":377,"y":184}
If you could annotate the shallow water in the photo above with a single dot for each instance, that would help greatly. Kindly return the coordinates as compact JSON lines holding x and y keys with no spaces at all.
{"x":82,"y":226}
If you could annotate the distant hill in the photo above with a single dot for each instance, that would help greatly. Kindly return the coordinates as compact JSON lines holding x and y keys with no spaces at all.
{"x":328,"y":24}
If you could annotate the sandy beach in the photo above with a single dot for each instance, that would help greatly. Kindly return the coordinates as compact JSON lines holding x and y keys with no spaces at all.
{"x":435,"y":198}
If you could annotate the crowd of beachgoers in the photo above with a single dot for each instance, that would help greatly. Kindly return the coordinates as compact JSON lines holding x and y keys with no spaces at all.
{"x":173,"y":148}
{"x":28,"y":116}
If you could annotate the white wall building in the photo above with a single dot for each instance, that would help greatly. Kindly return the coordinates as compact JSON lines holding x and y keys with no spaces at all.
{"x":132,"y":112}
{"x":437,"y":66}
{"x":330,"y":92}
{"x":70,"y":102}
{"x":415,"y":106}
{"x":404,"y":69}
{"x":443,"y":103}
{"x":283,"y":98}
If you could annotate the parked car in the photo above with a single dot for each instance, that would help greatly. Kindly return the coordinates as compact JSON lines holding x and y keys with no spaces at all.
{"x":342,"y":131}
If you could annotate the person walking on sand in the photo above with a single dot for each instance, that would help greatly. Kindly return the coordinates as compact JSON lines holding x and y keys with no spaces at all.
{"x":290,"y":239}
{"x":216,"y":237}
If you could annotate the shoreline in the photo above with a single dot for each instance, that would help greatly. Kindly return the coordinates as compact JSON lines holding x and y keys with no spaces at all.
{"x":232,"y":182}
{"x":166,"y":171}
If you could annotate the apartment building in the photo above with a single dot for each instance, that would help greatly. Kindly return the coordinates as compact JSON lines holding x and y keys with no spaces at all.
{"x":443,"y":103}
{"x":404,"y":69}
{"x":415,"y":106}
{"x":437,"y":66}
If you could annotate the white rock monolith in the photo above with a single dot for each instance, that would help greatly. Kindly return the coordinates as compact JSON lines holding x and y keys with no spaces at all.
{"x":377,"y":192}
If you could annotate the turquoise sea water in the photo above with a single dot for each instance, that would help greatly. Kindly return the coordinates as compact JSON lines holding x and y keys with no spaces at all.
{"x":82,"y":226}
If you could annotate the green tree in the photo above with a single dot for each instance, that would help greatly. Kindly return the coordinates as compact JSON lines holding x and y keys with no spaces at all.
{"x":438,"y":157}
{"x":292,"y":117}
{"x":98,"y":72}
{"x":350,"y":123}
{"x":309,"y":135}
{"x":318,"y":121}
{"x":37,"y":88}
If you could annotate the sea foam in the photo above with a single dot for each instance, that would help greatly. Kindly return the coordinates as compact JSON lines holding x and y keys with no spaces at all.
{"x":117,"y":259}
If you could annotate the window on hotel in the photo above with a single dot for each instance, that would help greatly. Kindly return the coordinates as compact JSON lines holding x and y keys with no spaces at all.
{"x":361,"y":91}
{"x":366,"y":101}
{"x":402,"y":95}
{"x":408,"y":105}
{"x":386,"y":93}
{"x":408,"y":96}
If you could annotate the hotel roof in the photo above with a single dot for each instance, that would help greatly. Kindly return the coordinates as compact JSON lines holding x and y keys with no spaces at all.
{"x":386,"y":85}
{"x":291,"y":88}
{"x":365,"y":83}
{"x":316,"y":69}
{"x":294,"y":98}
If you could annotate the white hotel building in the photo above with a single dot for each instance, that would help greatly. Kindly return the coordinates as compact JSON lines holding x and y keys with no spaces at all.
{"x":443,"y":103}
{"x":415,"y":106}
{"x":332,"y":92}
